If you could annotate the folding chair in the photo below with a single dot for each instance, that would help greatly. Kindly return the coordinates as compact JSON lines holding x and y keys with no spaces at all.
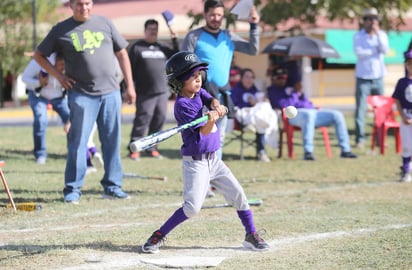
{"x":238,"y":133}
{"x":288,"y":130}
{"x":384,"y":119}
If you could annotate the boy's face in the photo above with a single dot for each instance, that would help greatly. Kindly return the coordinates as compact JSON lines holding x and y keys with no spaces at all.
{"x":193,"y":84}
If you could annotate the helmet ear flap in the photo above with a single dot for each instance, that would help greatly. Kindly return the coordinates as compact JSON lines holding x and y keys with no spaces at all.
{"x":203,"y":73}
{"x":175,"y":85}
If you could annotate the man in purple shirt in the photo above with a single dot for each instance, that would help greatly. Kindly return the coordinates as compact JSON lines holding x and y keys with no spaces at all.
{"x":308,"y":117}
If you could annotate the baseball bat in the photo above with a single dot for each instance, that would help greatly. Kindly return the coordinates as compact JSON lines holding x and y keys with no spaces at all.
{"x":251,"y":202}
{"x":6,"y":187}
{"x":135,"y":175}
{"x":155,"y":138}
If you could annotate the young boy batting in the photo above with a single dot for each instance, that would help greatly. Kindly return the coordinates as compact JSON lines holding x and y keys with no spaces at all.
{"x":403,"y":96}
{"x":201,"y":166}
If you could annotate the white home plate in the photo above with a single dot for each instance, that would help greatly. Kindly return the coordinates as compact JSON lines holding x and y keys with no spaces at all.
{"x":185,"y":261}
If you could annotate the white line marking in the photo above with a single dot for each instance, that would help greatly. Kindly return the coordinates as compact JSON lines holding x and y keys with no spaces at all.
{"x":106,"y":260}
{"x":279,"y":243}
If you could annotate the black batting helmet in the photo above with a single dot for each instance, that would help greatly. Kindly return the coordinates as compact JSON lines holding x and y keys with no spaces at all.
{"x":179,"y":65}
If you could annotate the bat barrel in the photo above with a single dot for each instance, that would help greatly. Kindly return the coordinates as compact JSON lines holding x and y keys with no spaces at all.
{"x":135,"y":146}
{"x":155,"y":138}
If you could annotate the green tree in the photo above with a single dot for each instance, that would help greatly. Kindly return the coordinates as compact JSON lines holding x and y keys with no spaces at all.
{"x":16,"y":30}
{"x":274,"y":12}
{"x":306,"y":12}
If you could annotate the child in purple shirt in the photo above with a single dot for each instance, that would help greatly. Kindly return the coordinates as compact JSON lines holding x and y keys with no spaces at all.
{"x":200,"y":164}
{"x":403,"y":97}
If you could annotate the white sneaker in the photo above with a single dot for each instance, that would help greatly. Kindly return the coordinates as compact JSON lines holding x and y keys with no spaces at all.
{"x":41,"y":160}
{"x":262,"y":156}
{"x":91,"y":169}
{"x":406,"y":177}
{"x":97,"y":159}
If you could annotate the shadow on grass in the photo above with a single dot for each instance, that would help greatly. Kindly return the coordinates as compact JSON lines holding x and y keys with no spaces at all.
{"x":165,"y":152}
{"x":29,"y":250}
{"x":22,"y":154}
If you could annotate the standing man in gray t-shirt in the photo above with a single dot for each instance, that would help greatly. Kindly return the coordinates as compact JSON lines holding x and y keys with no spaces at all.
{"x":89,"y":45}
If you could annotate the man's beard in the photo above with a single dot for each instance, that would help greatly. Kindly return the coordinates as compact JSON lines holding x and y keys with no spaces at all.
{"x":211,"y":27}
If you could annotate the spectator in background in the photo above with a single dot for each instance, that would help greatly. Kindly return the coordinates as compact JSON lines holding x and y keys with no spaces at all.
{"x":216,"y":46}
{"x":234,"y":73}
{"x":148,"y":58}
{"x":90,"y":50}
{"x":48,"y":90}
{"x":291,"y":64}
{"x":92,"y":154}
{"x":8,"y":86}
{"x":43,"y":90}
{"x":370,"y":45}
{"x":308,"y":118}
{"x":252,"y":108}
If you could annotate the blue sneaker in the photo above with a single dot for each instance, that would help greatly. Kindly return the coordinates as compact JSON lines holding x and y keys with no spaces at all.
{"x":72,"y":197}
{"x":117,"y":193}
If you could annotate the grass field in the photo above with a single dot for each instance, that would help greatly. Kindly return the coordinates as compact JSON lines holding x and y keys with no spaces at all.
{"x":327,"y":214}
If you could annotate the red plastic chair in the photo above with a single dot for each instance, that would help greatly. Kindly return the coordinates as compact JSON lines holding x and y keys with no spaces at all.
{"x":384,"y":115}
{"x":288,"y":129}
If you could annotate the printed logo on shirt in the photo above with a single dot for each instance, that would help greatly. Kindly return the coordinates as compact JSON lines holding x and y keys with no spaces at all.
{"x":92,"y":40}
{"x":153,"y":55}
{"x":408,"y":93}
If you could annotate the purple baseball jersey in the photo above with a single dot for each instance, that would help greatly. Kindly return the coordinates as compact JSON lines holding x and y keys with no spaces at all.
{"x":188,"y":109}
{"x":281,"y":97}
{"x":403,"y":93}
{"x":239,"y":95}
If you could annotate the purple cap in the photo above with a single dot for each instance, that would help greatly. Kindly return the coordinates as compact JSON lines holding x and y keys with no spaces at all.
{"x":186,"y":76}
{"x":408,"y":55}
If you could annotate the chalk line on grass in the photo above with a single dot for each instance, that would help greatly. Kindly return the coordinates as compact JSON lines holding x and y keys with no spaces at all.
{"x":280,"y":243}
{"x":206,"y":255}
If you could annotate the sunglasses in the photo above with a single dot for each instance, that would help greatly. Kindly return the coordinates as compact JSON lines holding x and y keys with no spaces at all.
{"x":370,"y":18}
{"x":280,"y":77}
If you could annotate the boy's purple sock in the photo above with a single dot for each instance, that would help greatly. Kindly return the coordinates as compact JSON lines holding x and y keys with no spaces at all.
{"x":406,"y":163}
{"x":88,"y":160}
{"x":246,"y":217}
{"x":177,"y":218}
{"x":92,"y":150}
